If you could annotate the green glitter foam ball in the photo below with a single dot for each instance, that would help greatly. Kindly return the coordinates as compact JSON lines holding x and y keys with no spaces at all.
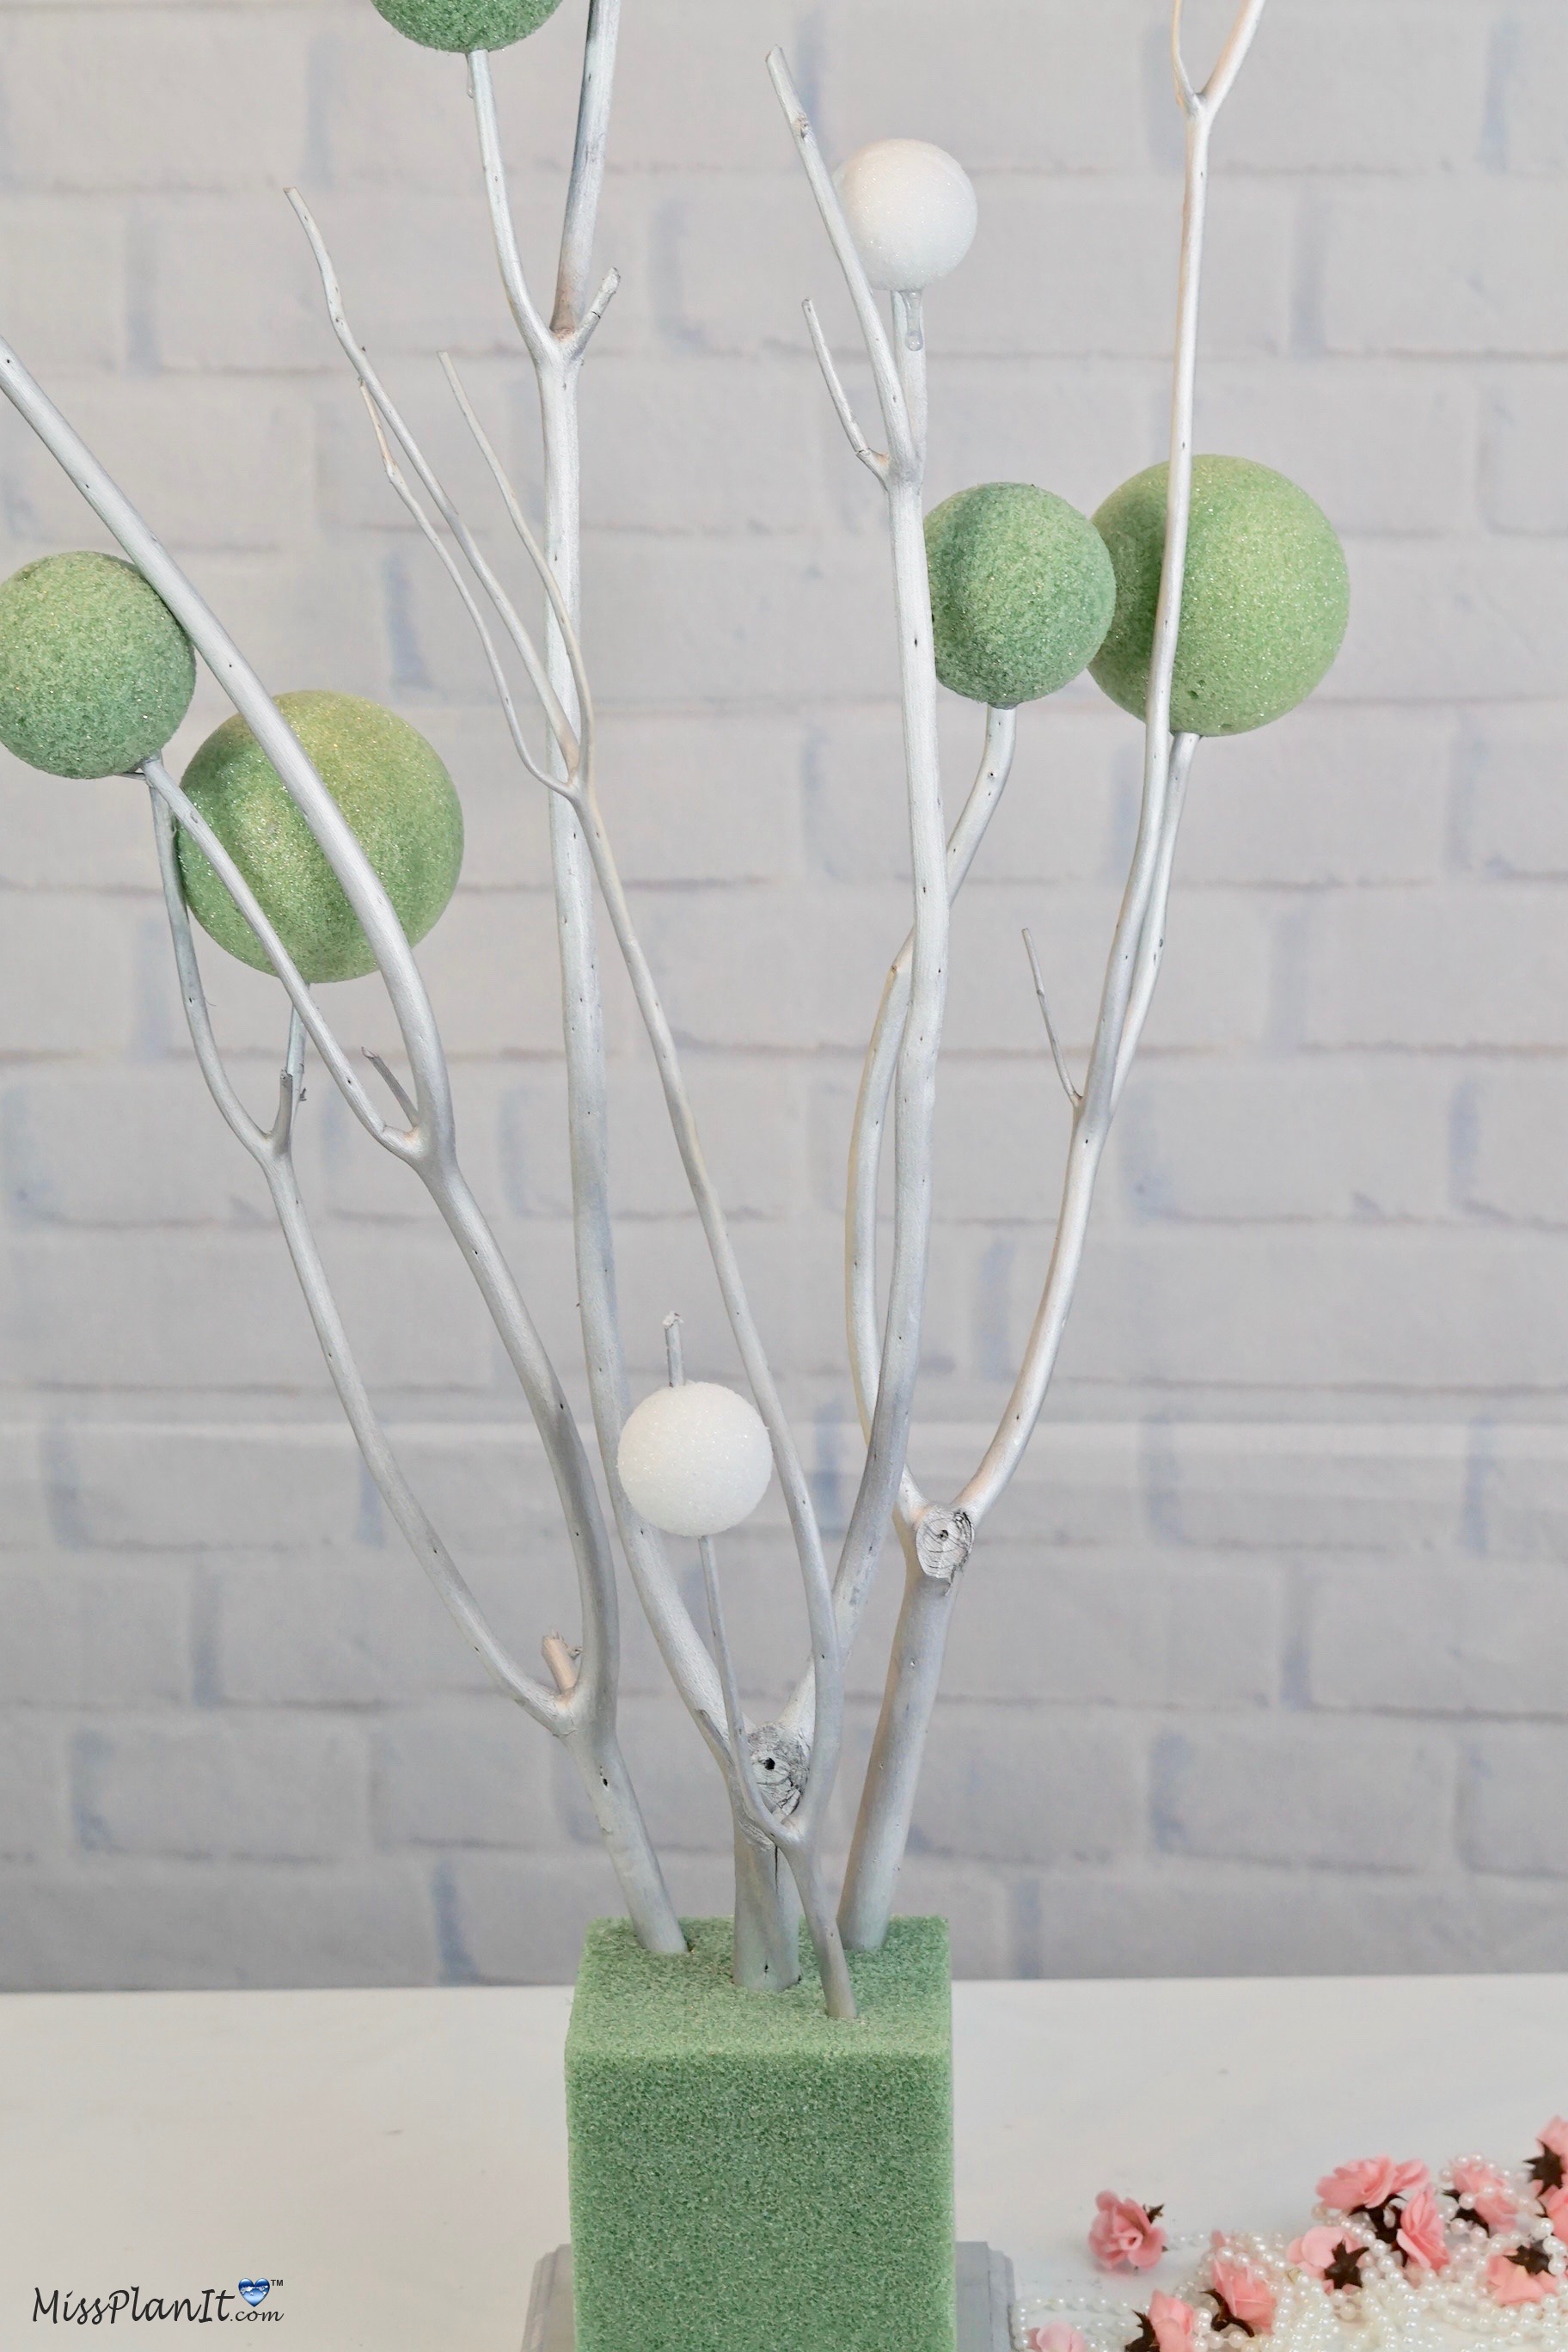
{"x":95,"y":671}
{"x":389,"y":785}
{"x":1021,"y":592}
{"x":467,"y":24}
{"x":1264,"y":605}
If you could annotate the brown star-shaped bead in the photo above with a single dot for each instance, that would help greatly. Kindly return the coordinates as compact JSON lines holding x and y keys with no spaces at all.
{"x":1345,"y":2268}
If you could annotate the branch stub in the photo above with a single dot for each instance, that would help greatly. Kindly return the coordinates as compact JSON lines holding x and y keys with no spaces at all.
{"x":943,"y":1543}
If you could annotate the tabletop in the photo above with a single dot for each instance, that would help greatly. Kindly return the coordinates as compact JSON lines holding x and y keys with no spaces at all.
{"x":391,"y":2164}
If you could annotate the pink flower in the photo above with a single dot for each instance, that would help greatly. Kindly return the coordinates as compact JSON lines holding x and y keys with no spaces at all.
{"x":1555,"y":2208}
{"x":1371,"y":2181}
{"x":1509,"y":2282}
{"x":1054,"y":2337}
{"x":1125,"y":2236}
{"x":1169,"y":2322}
{"x":1245,"y":2297}
{"x":1330,"y":2254}
{"x":1482,"y":2190}
{"x":1555,"y":2137}
{"x":1420,"y":2238}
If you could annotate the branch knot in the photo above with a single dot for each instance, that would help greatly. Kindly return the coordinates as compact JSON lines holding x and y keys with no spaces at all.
{"x":943,"y":1540}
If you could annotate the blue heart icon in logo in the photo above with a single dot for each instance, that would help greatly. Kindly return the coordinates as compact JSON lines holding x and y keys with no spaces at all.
{"x":255,"y":2291}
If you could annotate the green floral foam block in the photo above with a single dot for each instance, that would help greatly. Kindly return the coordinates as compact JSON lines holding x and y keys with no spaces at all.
{"x":748,"y":2174}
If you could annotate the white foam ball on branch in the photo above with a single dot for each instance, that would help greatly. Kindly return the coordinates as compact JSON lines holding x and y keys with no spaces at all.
{"x":695,"y":1460}
{"x":911,"y":209}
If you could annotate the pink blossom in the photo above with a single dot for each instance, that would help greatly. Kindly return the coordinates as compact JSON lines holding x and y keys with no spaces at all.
{"x":1555,"y":2137}
{"x":1315,"y":2249}
{"x":1054,"y":2337}
{"x":1509,"y":2283}
{"x":1421,"y":2239}
{"x":1371,"y":2181}
{"x":1244,"y":2294}
{"x":1482,"y":2189}
{"x":1170,"y":2323}
{"x":1125,"y":2236}
{"x":1554,"y":2205}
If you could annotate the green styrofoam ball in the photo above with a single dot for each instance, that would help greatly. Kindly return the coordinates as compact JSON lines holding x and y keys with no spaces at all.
{"x":1021,"y":592}
{"x":467,"y":24}
{"x":1265,"y":602}
{"x":95,"y":671}
{"x":389,"y":785}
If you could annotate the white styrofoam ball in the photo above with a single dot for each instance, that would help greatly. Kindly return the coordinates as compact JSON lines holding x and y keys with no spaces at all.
{"x":911,"y":209}
{"x":695,"y":1460}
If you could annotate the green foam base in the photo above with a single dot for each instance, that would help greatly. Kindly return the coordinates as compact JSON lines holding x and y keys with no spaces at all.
{"x":748,"y":2172}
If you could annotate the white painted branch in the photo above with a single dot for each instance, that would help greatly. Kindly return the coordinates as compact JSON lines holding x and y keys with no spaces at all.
{"x":1232,"y":57}
{"x":385,"y":409}
{"x":361,"y":884}
{"x":882,"y":1827}
{"x":898,"y":1752}
{"x":751,"y":1810}
{"x":449,"y":564}
{"x":556,"y":358}
{"x":1151,"y":944}
{"x":432,"y":1148}
{"x":869,"y":1128}
{"x":873,"y":458}
{"x":901,"y":446}
{"x":898,"y":367}
{"x":166,"y":790}
{"x":1152,"y":852}
{"x":587,"y":185}
{"x":578,"y":790}
{"x":584,"y":1716}
{"x":556,"y":364}
{"x":1073,"y":1093}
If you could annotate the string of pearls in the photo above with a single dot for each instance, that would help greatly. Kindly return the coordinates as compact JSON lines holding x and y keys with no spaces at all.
{"x":1395,"y":2309}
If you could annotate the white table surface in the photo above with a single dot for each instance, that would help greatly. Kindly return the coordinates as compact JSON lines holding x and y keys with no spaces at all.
{"x":396,"y":2160}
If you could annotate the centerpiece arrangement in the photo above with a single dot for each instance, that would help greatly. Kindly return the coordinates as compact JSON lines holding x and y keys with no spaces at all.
{"x":760,"y":2107}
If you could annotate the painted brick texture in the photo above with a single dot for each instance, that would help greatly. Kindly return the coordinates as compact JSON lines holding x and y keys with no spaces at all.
{"x":1260,"y":1667}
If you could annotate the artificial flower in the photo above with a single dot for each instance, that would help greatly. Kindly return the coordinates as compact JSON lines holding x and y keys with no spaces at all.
{"x":1420,"y":2239}
{"x":1484,"y":2196}
{"x":1554,"y":2205}
{"x":1369,"y":2184}
{"x":1056,"y":2336}
{"x":1519,"y":2277}
{"x":1329,"y":2254}
{"x":1124,"y":2235}
{"x":1165,"y":2326}
{"x":1242,"y":2297}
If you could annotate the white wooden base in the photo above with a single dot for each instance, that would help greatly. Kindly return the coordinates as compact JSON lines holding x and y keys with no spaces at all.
{"x":985,"y":2299}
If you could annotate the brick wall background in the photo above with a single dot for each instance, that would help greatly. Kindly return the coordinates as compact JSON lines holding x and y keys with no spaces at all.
{"x":1264,"y":1667}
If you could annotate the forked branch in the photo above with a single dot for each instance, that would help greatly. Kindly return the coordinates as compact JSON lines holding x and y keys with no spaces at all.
{"x":887,"y":1804}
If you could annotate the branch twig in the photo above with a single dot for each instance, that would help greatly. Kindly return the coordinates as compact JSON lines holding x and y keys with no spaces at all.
{"x":1071,"y":1092}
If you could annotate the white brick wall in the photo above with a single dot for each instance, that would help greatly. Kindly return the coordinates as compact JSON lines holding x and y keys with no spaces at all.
{"x":1263,"y":1667}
